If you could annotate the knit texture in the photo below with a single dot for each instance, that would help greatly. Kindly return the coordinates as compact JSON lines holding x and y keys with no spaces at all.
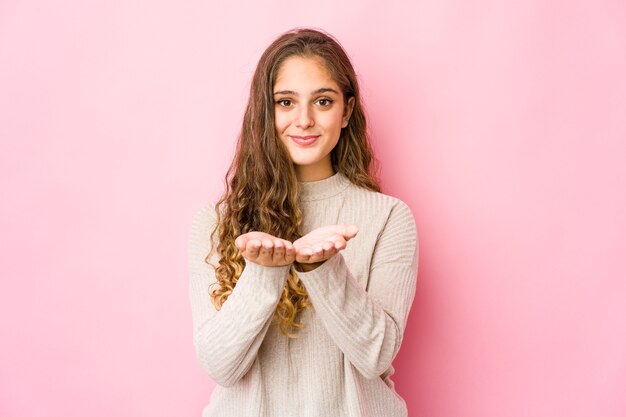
{"x":341,"y":362}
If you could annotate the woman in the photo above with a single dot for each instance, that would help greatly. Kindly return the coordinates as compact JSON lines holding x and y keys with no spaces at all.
{"x":303,"y":273}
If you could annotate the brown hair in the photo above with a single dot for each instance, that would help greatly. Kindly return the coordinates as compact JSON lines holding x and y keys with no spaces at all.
{"x":261,"y":192}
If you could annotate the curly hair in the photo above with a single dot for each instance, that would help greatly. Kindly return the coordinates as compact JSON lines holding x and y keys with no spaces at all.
{"x":261,"y":187}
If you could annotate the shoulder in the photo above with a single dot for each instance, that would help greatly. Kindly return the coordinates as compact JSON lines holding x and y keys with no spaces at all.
{"x":382,"y":214}
{"x":202,"y":221}
{"x":202,"y":225}
{"x":389,"y":223}
{"x":399,"y":214}
{"x":383,"y":204}
{"x":204,"y":216}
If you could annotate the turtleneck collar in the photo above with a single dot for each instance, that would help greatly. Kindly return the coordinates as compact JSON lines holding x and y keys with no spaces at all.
{"x":319,"y":190}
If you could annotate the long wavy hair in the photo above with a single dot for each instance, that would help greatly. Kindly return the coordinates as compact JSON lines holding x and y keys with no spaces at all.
{"x":261,"y":187}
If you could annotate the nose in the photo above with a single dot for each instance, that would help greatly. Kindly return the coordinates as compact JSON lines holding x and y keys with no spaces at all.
{"x":304,"y":118}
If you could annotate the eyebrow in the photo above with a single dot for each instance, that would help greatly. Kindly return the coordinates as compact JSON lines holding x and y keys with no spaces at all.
{"x":318,"y":91}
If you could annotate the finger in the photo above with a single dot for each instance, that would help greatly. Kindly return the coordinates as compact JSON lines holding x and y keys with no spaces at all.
{"x":241,"y":242}
{"x":290,"y":256}
{"x":349,"y":230}
{"x":267,"y":249}
{"x":303,"y":254}
{"x":279,"y":252}
{"x":340,"y":244}
{"x":327,"y":250}
{"x":253,"y":247}
{"x":318,"y":254}
{"x":327,"y":254}
{"x":306,"y":251}
{"x":290,"y":250}
{"x":318,"y":250}
{"x":319,"y":258}
{"x":337,"y":241}
{"x":328,"y":245}
{"x":305,"y":259}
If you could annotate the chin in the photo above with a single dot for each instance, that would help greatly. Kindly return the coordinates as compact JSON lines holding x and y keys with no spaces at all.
{"x":300,"y":159}
{"x":303,"y":162}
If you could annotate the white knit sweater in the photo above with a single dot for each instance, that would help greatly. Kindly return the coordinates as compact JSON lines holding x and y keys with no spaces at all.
{"x":341,"y":362}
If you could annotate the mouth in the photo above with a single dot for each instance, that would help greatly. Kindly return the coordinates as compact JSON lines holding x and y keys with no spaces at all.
{"x":304,"y":140}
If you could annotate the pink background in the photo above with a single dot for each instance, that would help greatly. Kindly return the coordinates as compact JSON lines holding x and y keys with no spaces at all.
{"x":502,"y":124}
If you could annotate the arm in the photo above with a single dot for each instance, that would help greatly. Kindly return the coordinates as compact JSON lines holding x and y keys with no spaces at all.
{"x":368,"y":325}
{"x":227,"y":341}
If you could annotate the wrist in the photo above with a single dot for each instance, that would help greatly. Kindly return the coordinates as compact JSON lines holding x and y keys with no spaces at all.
{"x":306,"y":267}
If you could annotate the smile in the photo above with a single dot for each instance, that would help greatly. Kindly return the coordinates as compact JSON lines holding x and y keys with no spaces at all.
{"x":304,"y":140}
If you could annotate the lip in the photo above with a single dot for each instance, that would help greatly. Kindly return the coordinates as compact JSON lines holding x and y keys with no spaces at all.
{"x":304,"y":140}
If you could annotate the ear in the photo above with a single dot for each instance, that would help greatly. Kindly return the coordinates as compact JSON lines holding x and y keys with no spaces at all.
{"x":347,"y":112}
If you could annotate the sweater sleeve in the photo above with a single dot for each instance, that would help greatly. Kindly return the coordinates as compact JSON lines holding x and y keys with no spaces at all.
{"x":227,"y":341}
{"x":368,"y":326}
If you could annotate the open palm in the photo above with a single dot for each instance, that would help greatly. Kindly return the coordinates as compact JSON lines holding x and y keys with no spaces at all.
{"x":265,"y":249}
{"x":323,"y":242}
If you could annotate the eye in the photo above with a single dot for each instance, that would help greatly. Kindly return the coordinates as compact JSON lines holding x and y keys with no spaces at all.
{"x":284,"y":102}
{"x":325,"y":102}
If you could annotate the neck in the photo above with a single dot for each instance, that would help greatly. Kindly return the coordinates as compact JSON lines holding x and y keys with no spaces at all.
{"x":308,"y":173}
{"x":322,"y":189}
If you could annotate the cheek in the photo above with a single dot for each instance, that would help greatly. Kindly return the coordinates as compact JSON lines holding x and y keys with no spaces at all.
{"x":281,"y":121}
{"x":332,"y":120}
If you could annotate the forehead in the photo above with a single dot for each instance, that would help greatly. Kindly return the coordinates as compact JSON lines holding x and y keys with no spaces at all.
{"x":304,"y":73}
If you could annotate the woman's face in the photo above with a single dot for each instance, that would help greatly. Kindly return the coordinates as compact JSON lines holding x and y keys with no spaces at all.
{"x":309,"y":113}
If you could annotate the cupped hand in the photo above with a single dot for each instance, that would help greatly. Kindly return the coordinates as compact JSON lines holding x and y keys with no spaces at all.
{"x":322,"y":243}
{"x":265,"y":249}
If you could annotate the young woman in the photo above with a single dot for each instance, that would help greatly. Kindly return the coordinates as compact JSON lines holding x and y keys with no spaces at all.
{"x":303,"y":273}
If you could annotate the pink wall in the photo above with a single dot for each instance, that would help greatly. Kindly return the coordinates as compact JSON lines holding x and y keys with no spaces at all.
{"x":502,"y":125}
